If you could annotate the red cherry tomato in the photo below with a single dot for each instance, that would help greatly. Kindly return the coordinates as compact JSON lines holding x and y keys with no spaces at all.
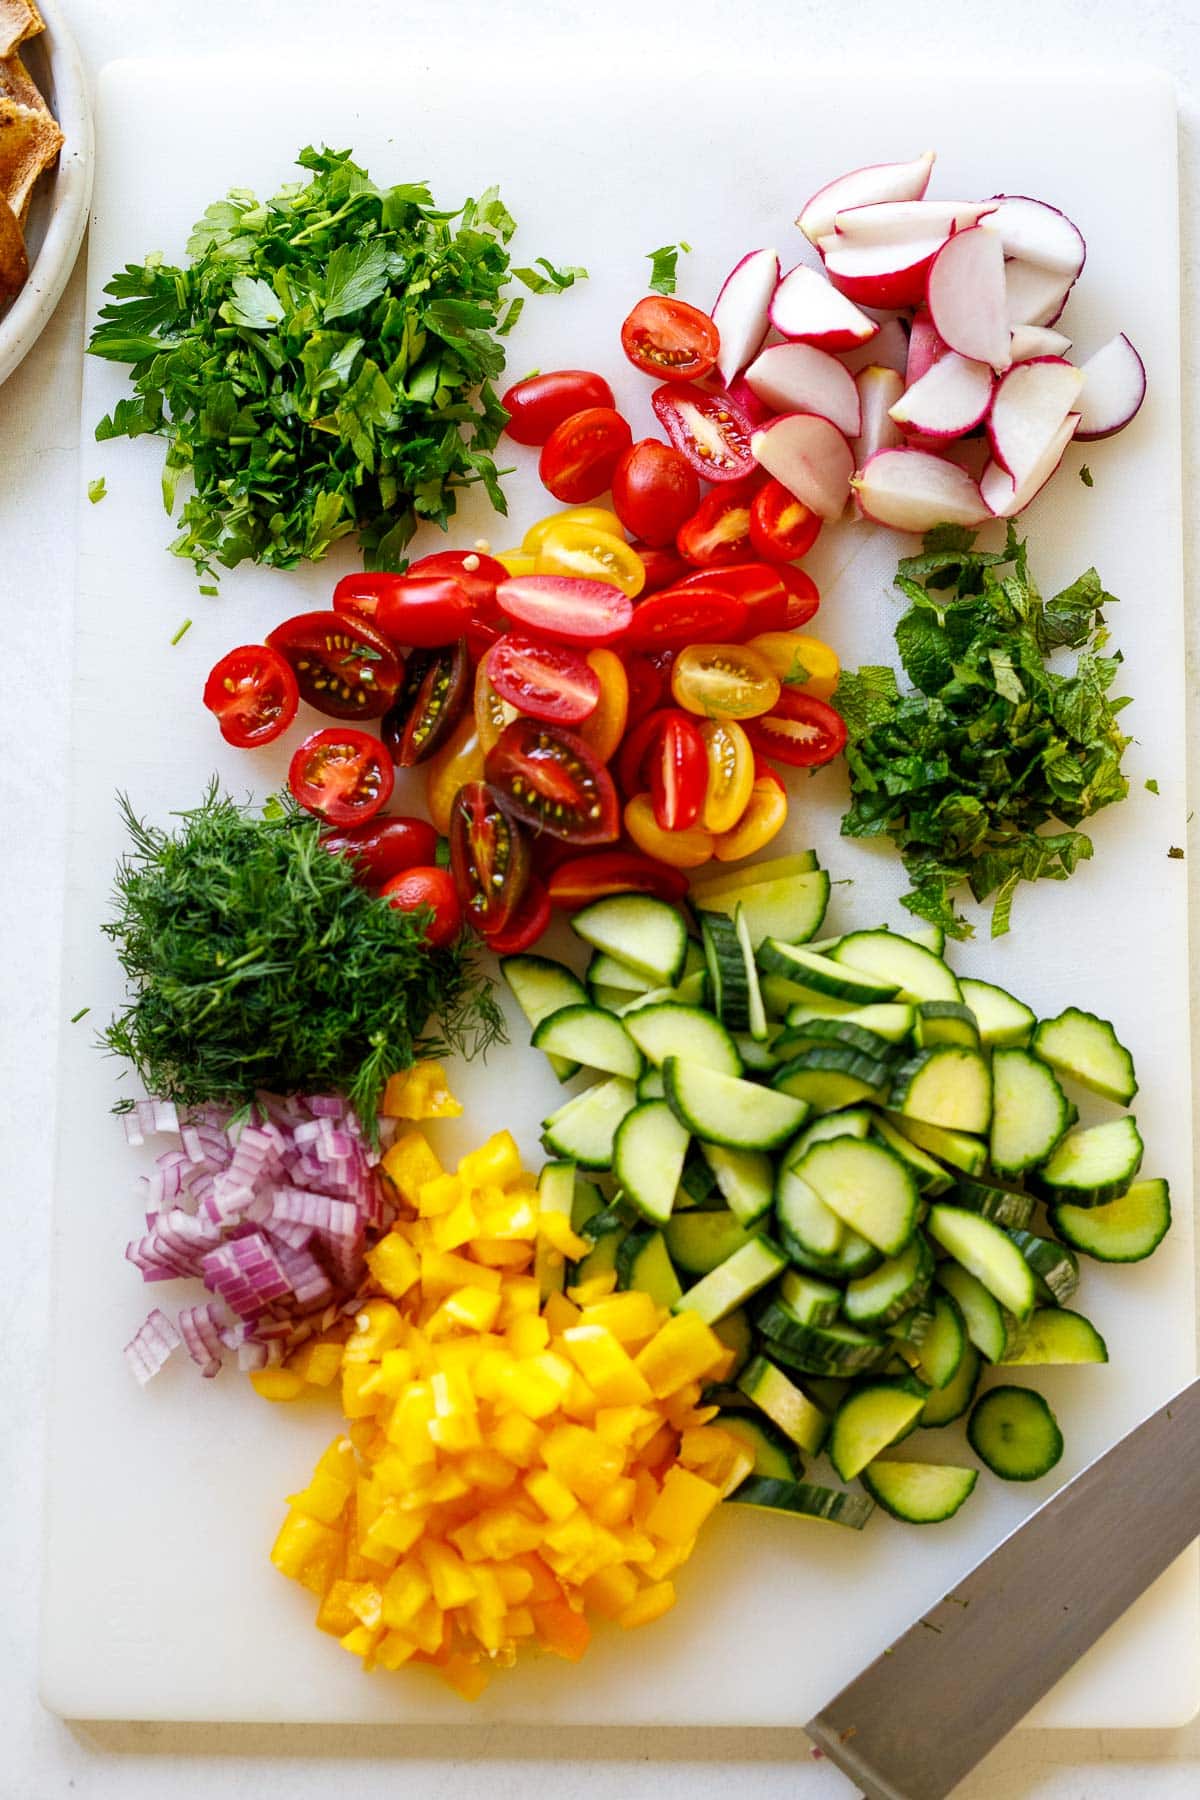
{"x":664,"y":567}
{"x":583,"y":879}
{"x":342,"y":775}
{"x":647,"y":686}
{"x":423,"y":611}
{"x":678,"y":764}
{"x":427,"y":890}
{"x":547,"y":776}
{"x":662,"y":336}
{"x":579,"y":456}
{"x":711,"y":430}
{"x":489,"y":857}
{"x":479,"y":575}
{"x":253,"y":694}
{"x":567,"y":609}
{"x":804,"y":597}
{"x":383,"y":847}
{"x":547,"y":681}
{"x":800,"y":730}
{"x":526,"y":925}
{"x":760,"y":586}
{"x":654,"y":489}
{"x":540,"y":402}
{"x":686,"y":615}
{"x":718,"y":532}
{"x":782,"y":528}
{"x":343,"y":666}
{"x":437,"y":688}
{"x":764,"y":772}
{"x":631,"y":760}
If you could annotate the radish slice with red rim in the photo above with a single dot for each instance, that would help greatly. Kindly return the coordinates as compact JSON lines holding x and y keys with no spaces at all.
{"x":911,"y":490}
{"x":925,"y":346}
{"x":888,"y":349}
{"x":1034,"y":296}
{"x":1030,"y":404}
{"x":1037,"y":233}
{"x":878,"y":390}
{"x":812,"y":459}
{"x":1005,"y":498}
{"x":906,"y":221}
{"x":951,"y":398}
{"x":800,"y":378}
{"x":1114,"y":386}
{"x":885,"y":275}
{"x":806,"y":309}
{"x":1029,"y":341}
{"x":862,"y":187}
{"x":740,"y":312}
{"x":967,"y":297}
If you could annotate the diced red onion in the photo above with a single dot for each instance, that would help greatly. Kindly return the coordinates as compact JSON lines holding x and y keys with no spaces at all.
{"x":151,"y":1345}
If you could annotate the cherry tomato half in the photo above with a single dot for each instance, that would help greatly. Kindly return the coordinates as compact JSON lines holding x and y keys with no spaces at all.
{"x":678,"y":765}
{"x":604,"y":728}
{"x":654,"y":490}
{"x":647,"y":682}
{"x":540,"y":402}
{"x":383,"y":847}
{"x":730,"y":774}
{"x":459,"y":760}
{"x":343,"y":666}
{"x":436,"y":689}
{"x":423,"y":611}
{"x":549,"y":778}
{"x":546,"y":681}
{"x":760,"y":585}
{"x":475,"y":571}
{"x":565,"y":609}
{"x":718,"y":532}
{"x":489,"y":857}
{"x":804,"y":597}
{"x":723,"y":681}
{"x":711,"y":430}
{"x":432,"y":890}
{"x":253,"y":694}
{"x":632,"y":763}
{"x":342,"y":775}
{"x":527,"y":923}
{"x":662,"y":336}
{"x":579,"y":456}
{"x":764,"y":818}
{"x":801,"y":731}
{"x":663,"y":565}
{"x":685,"y":615}
{"x":782,"y":528}
{"x":577,"y":549}
{"x":583,"y":879}
{"x":678,"y":849}
{"x":800,"y":661}
{"x":598,"y":517}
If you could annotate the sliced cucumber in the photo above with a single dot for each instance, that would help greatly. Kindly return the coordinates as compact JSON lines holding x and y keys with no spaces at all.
{"x":830,"y":1350}
{"x":822,"y":974}
{"x":700,"y":1241}
{"x":668,"y":1028}
{"x":946,"y":1022}
{"x":614,"y":1000}
{"x":605,"y":971}
{"x":643,"y":1263}
{"x":774,"y":1457}
{"x":1003,"y":1205}
{"x":941,"y":1350}
{"x":1002,"y":1020}
{"x":842,"y":1032}
{"x":951,"y":1402}
{"x":784,"y":1404}
{"x":953,"y":1147}
{"x":737,"y":1334}
{"x":745,"y":1179}
{"x":1087,"y":1049}
{"x":813,"y":1236}
{"x":696,"y":1186}
{"x":584,"y":1128}
{"x":541,"y":987}
{"x":810,"y":1301}
{"x":632,"y":1003}
{"x":606,"y":1232}
{"x":986,"y":1252}
{"x":648,"y":1151}
{"x":692,"y":987}
{"x":1030,"y":1112}
{"x":929,"y":1175}
{"x":806,"y":1499}
{"x":869,"y":1419}
{"x":756,"y":1006}
{"x":919,"y":1493}
{"x":1054,"y":1335}
{"x":556,"y":1194}
{"x":949,"y":1086}
{"x":893,"y":1289}
{"x":650,"y":1085}
{"x":722,"y":1109}
{"x":982,"y":1313}
{"x":916,"y":973}
{"x":1123,"y":1230}
{"x":587,"y":1203}
{"x":867,"y":1186}
{"x":784,"y":998}
{"x":894,"y":1020}
{"x":776,"y":868}
{"x":790,"y":907}
{"x":1055,"y":1269}
{"x":728,"y":978}
{"x":829,"y":1077}
{"x":645,"y":934}
{"x":585,"y":1034}
{"x":855,"y":1122}
{"x":1015,"y":1433}
{"x":911,"y":1328}
{"x":733,"y":1281}
{"x":1090,"y":1167}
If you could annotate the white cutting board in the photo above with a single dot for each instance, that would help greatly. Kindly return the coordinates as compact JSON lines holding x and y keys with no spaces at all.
{"x":161,"y":1506}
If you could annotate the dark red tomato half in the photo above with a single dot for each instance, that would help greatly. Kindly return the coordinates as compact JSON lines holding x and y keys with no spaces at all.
{"x":718,"y":532}
{"x":384,"y":847}
{"x":801,"y":731}
{"x":654,"y":489}
{"x":253,"y":694}
{"x":546,"y":681}
{"x":342,"y":775}
{"x":685,"y":615}
{"x":423,"y":612}
{"x":759,"y":585}
{"x":548,"y":777}
{"x":436,"y":691}
{"x":579,"y":456}
{"x":567,"y":609}
{"x":648,"y":680}
{"x":663,"y":336}
{"x":343,"y":666}
{"x":540,"y":402}
{"x":803,"y":597}
{"x":583,"y":879}
{"x":489,"y":857}
{"x":782,"y":528}
{"x":711,"y":430}
{"x":526,"y":925}
{"x":429,"y":890}
{"x":678,"y":764}
{"x":632,"y":757}
{"x":664,"y":566}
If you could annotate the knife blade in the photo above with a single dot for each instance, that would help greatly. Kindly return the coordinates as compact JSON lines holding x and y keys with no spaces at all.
{"x":913,"y":1724}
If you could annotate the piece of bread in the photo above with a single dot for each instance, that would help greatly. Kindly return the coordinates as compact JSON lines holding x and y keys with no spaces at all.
{"x":19,"y":19}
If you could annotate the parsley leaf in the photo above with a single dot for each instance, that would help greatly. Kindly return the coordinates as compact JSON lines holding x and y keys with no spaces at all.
{"x":663,"y":264}
{"x":96,"y":490}
{"x":1085,"y":475}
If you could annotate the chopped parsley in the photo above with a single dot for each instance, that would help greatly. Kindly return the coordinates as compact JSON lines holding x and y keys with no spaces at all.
{"x":97,"y":489}
{"x":1085,"y":475}
{"x":663,"y":264}
{"x":1151,"y":785}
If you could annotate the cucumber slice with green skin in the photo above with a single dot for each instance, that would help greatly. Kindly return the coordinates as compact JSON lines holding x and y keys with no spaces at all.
{"x":728,"y":982}
{"x":946,"y":1022}
{"x":668,"y":1028}
{"x":895,"y":1288}
{"x":650,"y":1085}
{"x":1030,"y":1112}
{"x":697,"y":1186}
{"x":822,"y":946}
{"x":789,"y":907}
{"x":777,"y":868}
{"x":701,"y":1241}
{"x":1004,"y":1206}
{"x":916,"y":973}
{"x":604,"y":970}
{"x":584,"y":1128}
{"x":986,"y":1252}
{"x":734,"y":1281}
{"x":643,"y":1263}
{"x":835,"y":1031}
{"x":774,"y":1457}
{"x":613,"y":1000}
{"x":822,"y":974}
{"x":982,"y":1313}
{"x":587,"y":1203}
{"x":757,"y":1022}
{"x":1014,"y":1432}
{"x":855,"y":1122}
{"x":919,"y":1493}
{"x":556,"y":1194}
{"x":954,"y":1147}
{"x":805,"y":1224}
{"x":805,"y":1499}
{"x":692,"y":988}
{"x":745,"y":1178}
{"x":1087,"y":1049}
{"x":829,"y":1077}
{"x":722,"y":1109}
{"x":867,"y":1186}
{"x":606,"y":1232}
{"x":757,"y":1054}
{"x":911,"y":1328}
{"x":837,"y":1350}
{"x":737,"y":1334}
{"x":1093,"y":1166}
{"x":929,"y":937}
{"x":648,"y":1151}
{"x":783,"y":998}
{"x":810,"y":1301}
{"x":632,"y":1003}
{"x":540,"y":987}
{"x":1055,"y":1335}
{"x":1002,"y":1019}
{"x":941,"y":1350}
{"x":893,"y":1020}
{"x":1124,"y":1230}
{"x":805,"y":1424}
{"x":587,"y":1035}
{"x":929,"y":1175}
{"x":949,"y":1086}
{"x":645,"y":934}
{"x":944,"y":1405}
{"x":1055,"y":1268}
{"x":869,"y":1419}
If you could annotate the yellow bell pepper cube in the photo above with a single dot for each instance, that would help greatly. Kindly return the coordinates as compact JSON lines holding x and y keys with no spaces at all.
{"x":680,"y":1351}
{"x":421,"y":1092}
{"x":684,"y":1502}
{"x":405,"y":1592}
{"x":325,"y":1496}
{"x":443,"y":1271}
{"x":486,"y":1468}
{"x":527,"y":1334}
{"x":521,"y":1299}
{"x":496,"y":1162}
{"x":503,"y":1532}
{"x":582,"y":1460}
{"x":361,"y":1641}
{"x":361,"y":1398}
{"x":429,"y":1628}
{"x":632,"y":1316}
{"x":518,"y":1622}
{"x":393,"y":1531}
{"x":560,"y":1314}
{"x":409,"y":1163}
{"x":500,"y":1253}
{"x":318,"y":1362}
{"x":394,"y":1265}
{"x":615,"y":1505}
{"x":628,"y":1425}
{"x":649,"y":1605}
{"x":306,"y":1550}
{"x":512,"y":1215}
{"x":453,"y":1583}
{"x":611,"y":1590}
{"x":334,"y":1614}
{"x":516,"y":1583}
{"x":561,"y":1629}
{"x":441,"y":1195}
{"x":278,"y":1384}
{"x":466,"y":1677}
{"x":408,"y":1427}
{"x":517,"y":1439}
{"x":379,"y":1326}
{"x":394,"y":1650}
{"x":536,"y":1385}
{"x":457,"y":1227}
{"x":471,"y":1308}
{"x":366,"y":1603}
{"x":555,"y":1228}
{"x":586,"y":1293}
{"x":552,"y":1495}
{"x":396,"y":1369}
{"x":606,"y":1366}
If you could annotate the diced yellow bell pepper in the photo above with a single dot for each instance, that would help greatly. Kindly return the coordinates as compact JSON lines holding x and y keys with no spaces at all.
{"x":611,"y":1590}
{"x":555,"y":1227}
{"x":560,"y":1314}
{"x":334,"y":1614}
{"x":682,"y":1350}
{"x":471,"y":1308}
{"x":521,"y":1299}
{"x":409,"y":1163}
{"x":278,"y":1384}
{"x":582,"y":1459}
{"x":497,"y":1162}
{"x":452,"y":1581}
{"x":377,"y":1327}
{"x":683,"y":1504}
{"x":318,"y":1362}
{"x":629,"y":1425}
{"x":394,"y":1650}
{"x":615,"y":1505}
{"x":516,"y":1438}
{"x":360,"y":1390}
{"x":394,"y":1529}
{"x":306,"y":1549}
{"x":553,"y":1496}
{"x":486,"y":1468}
{"x":394,"y":1265}
{"x":457,"y":1227}
{"x":537,"y":1384}
{"x":632,"y":1316}
{"x":606,"y":1366}
{"x":361,"y":1641}
{"x":500,"y":1253}
{"x":466,"y":1678}
{"x":405,"y":1592}
{"x":440,"y":1195}
{"x":527,"y":1334}
{"x":586,"y":1293}
{"x":421,"y":1092}
{"x":649,"y":1605}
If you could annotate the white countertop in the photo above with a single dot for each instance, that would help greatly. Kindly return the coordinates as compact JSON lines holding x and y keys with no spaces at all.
{"x":42,"y":1757}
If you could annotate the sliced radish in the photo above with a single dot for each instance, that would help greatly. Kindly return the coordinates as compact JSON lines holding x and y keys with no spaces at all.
{"x":862,"y":187}
{"x":806,"y":308}
{"x":1034,"y":296}
{"x":1031,"y":403}
{"x":900,"y":221}
{"x":1029,"y":341}
{"x":951,"y":398}
{"x":812,"y":459}
{"x":967,"y":297}
{"x":748,"y":402}
{"x":1036,"y":233}
{"x":911,"y":490}
{"x":800,"y":378}
{"x":1114,"y":386}
{"x":888,"y":349}
{"x":740,"y":312}
{"x":924,"y":347}
{"x":886,"y":275}
{"x":878,"y":391}
{"x":1005,"y":498}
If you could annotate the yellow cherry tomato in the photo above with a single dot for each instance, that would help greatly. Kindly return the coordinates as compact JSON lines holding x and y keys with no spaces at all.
{"x":799,"y":661}
{"x":492,"y":713}
{"x":604,"y":727}
{"x":589,"y":554}
{"x":678,"y":849}
{"x":458,"y":761}
{"x":730,"y":774}
{"x":762,"y":820}
{"x":723,"y":681}
{"x":596,"y":518}
{"x":517,"y":562}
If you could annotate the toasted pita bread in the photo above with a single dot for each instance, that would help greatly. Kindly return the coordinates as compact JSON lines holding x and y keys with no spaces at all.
{"x":16,"y":83}
{"x":29,"y":142}
{"x":19,"y":19}
{"x":14,"y":263}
